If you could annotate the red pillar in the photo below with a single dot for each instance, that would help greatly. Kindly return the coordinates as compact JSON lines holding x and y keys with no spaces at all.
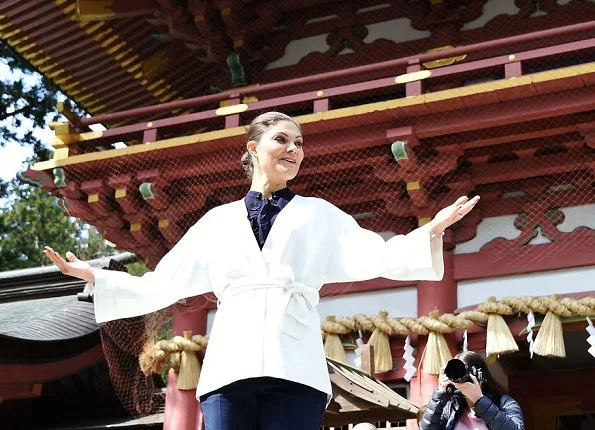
{"x":431,"y":295}
{"x":182,"y":410}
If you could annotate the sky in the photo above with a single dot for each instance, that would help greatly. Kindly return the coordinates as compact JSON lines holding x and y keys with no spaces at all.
{"x":12,"y":154}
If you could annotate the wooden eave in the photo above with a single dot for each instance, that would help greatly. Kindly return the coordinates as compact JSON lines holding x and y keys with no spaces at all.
{"x":117,"y":63}
{"x":452,"y":105}
{"x":98,"y":64}
{"x":359,"y":397}
{"x":40,"y":315}
{"x":514,"y":116}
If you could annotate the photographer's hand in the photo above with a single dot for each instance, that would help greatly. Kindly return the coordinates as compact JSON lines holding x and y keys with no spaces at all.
{"x":443,"y":381}
{"x":471,"y":390}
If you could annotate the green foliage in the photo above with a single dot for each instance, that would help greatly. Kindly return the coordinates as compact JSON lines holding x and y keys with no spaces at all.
{"x":27,"y":225}
{"x":28,"y":220}
{"x":24,"y":96}
{"x":137,"y":268}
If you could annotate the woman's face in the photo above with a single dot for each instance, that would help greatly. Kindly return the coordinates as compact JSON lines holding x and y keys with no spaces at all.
{"x":278,"y":155}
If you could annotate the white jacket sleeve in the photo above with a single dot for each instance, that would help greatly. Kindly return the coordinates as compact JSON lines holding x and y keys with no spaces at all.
{"x":361,"y":254}
{"x":181,"y":273}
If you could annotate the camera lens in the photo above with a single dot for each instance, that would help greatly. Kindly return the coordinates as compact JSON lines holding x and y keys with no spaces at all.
{"x":455,"y":370}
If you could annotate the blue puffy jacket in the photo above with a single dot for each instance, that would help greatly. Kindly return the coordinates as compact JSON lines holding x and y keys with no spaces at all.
{"x":442,"y":413}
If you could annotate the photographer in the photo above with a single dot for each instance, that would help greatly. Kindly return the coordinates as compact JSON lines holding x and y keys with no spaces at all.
{"x":472,"y":401}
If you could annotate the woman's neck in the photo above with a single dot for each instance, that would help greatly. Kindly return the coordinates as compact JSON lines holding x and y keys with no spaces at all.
{"x":266,"y":187}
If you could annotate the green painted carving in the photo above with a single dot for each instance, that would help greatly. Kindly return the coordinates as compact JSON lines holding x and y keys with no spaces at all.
{"x":400,"y":150}
{"x":146,"y":190}
{"x":58,"y":203}
{"x":238,"y":77}
{"x":555,"y":216}
{"x":160,"y":37}
{"x":37,"y":178}
{"x":522,"y":221}
{"x":59,"y":177}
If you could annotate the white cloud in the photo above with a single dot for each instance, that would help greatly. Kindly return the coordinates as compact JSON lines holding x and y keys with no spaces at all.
{"x":12,"y":156}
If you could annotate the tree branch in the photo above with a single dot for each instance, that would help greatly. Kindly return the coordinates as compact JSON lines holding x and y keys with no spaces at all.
{"x":24,"y":109}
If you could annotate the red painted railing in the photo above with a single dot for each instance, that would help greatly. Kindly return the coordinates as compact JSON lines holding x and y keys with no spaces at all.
{"x":502,"y":66}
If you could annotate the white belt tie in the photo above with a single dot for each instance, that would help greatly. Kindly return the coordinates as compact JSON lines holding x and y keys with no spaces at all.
{"x":299,"y":300}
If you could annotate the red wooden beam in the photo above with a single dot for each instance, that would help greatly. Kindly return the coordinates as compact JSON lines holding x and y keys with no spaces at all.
{"x":387,"y":65}
{"x":529,"y":259}
{"x":505,"y":113}
{"x":42,"y":372}
{"x":21,"y":391}
{"x":510,"y":133}
{"x":530,"y":167}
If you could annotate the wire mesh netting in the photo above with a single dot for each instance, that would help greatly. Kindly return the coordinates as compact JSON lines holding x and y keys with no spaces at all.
{"x":537,"y":203}
{"x":525,"y":146}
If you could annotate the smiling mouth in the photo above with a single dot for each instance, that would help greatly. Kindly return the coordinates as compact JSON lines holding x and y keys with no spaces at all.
{"x":288,"y":160}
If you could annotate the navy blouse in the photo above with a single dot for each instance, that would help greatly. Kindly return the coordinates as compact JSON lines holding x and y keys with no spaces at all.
{"x":263,"y":212}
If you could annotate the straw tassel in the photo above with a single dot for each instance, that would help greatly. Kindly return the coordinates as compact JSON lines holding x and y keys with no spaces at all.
{"x":383,"y":360}
{"x":499,"y":339}
{"x":437,"y":352}
{"x":189,"y":364}
{"x":179,"y":353}
{"x":333,"y":347}
{"x":549,"y":341}
{"x":154,"y":356}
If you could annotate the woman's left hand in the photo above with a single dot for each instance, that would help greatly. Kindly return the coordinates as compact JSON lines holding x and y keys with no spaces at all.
{"x":471,"y":390}
{"x":453,"y":213}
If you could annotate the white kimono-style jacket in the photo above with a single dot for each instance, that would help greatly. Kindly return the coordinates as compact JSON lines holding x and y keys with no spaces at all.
{"x":266,"y":323}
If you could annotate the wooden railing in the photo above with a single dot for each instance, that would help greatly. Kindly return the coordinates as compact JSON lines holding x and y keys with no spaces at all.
{"x":414,"y":80}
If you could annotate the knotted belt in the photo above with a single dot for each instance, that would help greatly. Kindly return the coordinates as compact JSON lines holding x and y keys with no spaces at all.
{"x":299,"y":300}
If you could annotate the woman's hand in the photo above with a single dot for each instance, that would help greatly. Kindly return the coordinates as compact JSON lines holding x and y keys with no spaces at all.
{"x":453,"y":213}
{"x":73,"y":267}
{"x":443,"y":381}
{"x":471,"y":390}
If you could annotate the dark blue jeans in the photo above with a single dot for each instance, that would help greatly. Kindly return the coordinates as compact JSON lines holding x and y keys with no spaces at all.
{"x":263,"y":404}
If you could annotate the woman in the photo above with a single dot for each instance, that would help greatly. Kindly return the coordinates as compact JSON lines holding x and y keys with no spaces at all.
{"x":479,"y":406}
{"x":274,"y":374}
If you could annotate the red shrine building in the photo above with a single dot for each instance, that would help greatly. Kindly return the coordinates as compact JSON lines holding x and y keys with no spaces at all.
{"x":405,"y":105}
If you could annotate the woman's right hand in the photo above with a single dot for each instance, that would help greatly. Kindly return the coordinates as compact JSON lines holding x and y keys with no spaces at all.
{"x":73,"y":267}
{"x":443,"y":381}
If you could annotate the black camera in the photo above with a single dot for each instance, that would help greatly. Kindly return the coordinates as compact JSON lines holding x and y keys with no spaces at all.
{"x":459,"y":372}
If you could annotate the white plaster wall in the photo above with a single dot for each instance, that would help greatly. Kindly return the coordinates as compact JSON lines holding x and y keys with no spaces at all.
{"x":576,"y":216}
{"x":298,"y":49}
{"x":575,"y":280}
{"x":487,"y":230}
{"x":503,"y":226}
{"x":492,"y":9}
{"x":397,"y":30}
{"x":400,"y":302}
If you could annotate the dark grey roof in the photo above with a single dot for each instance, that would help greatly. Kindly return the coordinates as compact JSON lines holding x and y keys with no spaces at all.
{"x":40,"y":304}
{"x":48,"y":281}
{"x":48,"y":319}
